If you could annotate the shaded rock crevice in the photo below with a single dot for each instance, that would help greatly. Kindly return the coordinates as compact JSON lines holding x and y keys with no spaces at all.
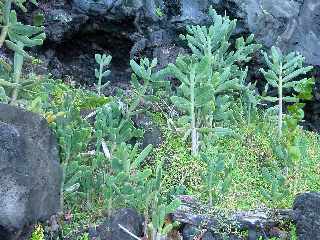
{"x":291,"y":25}
{"x":74,"y":56}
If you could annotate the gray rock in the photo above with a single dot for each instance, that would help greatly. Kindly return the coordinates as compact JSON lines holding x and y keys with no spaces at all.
{"x":292,"y":25}
{"x":307,"y":215}
{"x":62,"y":23}
{"x":190,"y":232}
{"x":167,"y":54}
{"x":152,"y":133}
{"x":128,"y":218}
{"x":30,"y":173}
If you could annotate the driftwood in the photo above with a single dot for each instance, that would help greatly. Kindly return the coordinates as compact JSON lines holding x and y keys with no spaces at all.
{"x":194,"y":213}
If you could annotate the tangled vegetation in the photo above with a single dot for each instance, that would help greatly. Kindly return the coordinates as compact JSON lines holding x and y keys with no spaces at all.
{"x":223,"y":142}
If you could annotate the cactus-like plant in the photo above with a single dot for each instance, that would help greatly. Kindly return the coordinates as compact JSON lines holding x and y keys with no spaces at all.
{"x":284,"y":74}
{"x":217,"y":178}
{"x":158,"y":228}
{"x":117,"y":163}
{"x":278,"y":186}
{"x":145,"y":82}
{"x":103,"y":61}
{"x":210,"y":75}
{"x":17,"y":36}
{"x":113,"y":127}
{"x":125,"y":181}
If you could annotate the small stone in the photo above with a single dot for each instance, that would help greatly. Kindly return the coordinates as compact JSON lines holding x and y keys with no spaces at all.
{"x":191,"y":232}
{"x":307,"y":215}
{"x":128,"y":218}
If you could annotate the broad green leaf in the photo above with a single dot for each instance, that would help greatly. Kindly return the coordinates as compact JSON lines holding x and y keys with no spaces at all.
{"x":8,"y":84}
{"x":167,"y":229}
{"x":97,"y":58}
{"x":142,"y":156}
{"x":25,"y":30}
{"x":290,"y":99}
{"x":203,"y":95}
{"x":136,"y":68}
{"x":173,"y":206}
{"x":181,"y":103}
{"x":270,"y":99}
{"x":14,"y":47}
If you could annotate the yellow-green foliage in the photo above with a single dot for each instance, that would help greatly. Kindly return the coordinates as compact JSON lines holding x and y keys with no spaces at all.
{"x":38,"y":233}
{"x":84,"y":237}
{"x":56,"y":90}
{"x":252,"y":149}
{"x":181,"y":169}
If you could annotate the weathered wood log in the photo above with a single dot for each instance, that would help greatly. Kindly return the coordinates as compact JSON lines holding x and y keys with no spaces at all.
{"x":193,"y":212}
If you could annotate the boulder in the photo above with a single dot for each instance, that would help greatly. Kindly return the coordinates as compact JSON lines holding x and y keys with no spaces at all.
{"x":126,"y":217}
{"x":30,"y":173}
{"x":190,"y":232}
{"x":152,"y":133}
{"x":292,"y":25}
{"x":307,"y":216}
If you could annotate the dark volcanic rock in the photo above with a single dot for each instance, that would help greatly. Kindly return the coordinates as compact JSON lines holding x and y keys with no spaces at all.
{"x":152,"y":133}
{"x":190,"y":232}
{"x":30,"y":173}
{"x":77,"y":29}
{"x":292,"y":25}
{"x":127,"y":218}
{"x":307,"y":216}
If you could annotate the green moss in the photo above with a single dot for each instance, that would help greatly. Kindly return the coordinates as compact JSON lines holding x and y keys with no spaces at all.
{"x":55,"y":91}
{"x":38,"y":233}
{"x":180,"y":168}
{"x":253,"y":151}
{"x":158,"y":118}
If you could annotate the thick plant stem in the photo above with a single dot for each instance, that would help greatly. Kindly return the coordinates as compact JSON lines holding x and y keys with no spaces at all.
{"x":280,"y":95}
{"x":210,"y":183}
{"x":100,"y":78}
{"x":3,"y":35}
{"x":154,"y":234}
{"x":194,"y":134}
{"x":210,"y":194}
{"x":18,"y":62}
{"x":6,"y":21}
{"x":145,"y":226}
